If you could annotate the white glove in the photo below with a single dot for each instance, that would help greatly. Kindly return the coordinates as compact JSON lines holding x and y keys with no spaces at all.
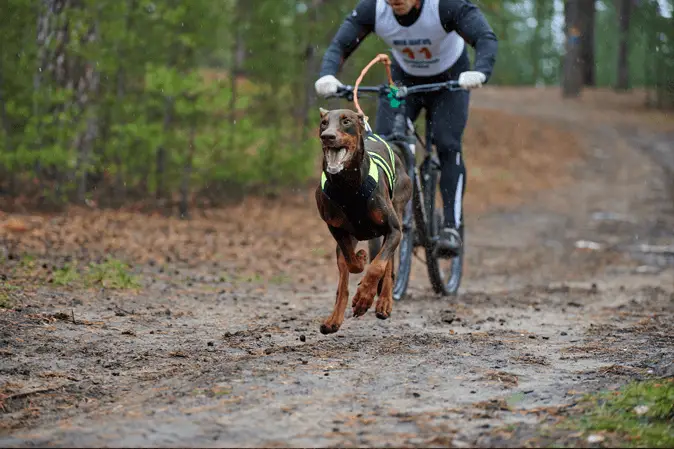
{"x":327,"y":85}
{"x":472,"y":80}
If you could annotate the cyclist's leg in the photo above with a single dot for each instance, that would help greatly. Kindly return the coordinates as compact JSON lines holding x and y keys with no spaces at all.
{"x":448,"y":113}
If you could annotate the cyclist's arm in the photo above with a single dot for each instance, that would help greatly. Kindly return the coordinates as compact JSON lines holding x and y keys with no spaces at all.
{"x":355,"y":28}
{"x":469,"y":22}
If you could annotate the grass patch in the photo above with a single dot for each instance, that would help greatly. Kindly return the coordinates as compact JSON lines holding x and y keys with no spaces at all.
{"x":112,"y":273}
{"x":279,"y":279}
{"x":67,"y":275}
{"x":7,"y":301}
{"x":28,"y":262}
{"x":641,"y":414}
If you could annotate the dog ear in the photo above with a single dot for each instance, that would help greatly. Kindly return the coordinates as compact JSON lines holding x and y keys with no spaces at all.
{"x":323,"y":112}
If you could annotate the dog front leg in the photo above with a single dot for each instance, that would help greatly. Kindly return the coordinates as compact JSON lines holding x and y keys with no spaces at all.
{"x":367,"y":289}
{"x":385,"y":300}
{"x":347,"y":262}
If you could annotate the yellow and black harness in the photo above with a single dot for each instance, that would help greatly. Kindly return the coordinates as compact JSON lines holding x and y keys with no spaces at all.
{"x":353,"y":204}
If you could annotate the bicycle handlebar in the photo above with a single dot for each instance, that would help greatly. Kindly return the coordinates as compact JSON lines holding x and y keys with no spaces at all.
{"x":402,"y":92}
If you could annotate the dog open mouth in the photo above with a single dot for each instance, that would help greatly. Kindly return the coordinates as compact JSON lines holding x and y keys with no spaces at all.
{"x":335,"y":159}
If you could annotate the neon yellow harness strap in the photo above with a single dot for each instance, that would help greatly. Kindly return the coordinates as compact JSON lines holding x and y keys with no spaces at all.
{"x":388,"y":168}
{"x":381,"y":162}
{"x":390,"y":152}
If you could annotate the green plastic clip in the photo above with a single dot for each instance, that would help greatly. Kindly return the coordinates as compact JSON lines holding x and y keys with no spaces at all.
{"x":392,"y":96}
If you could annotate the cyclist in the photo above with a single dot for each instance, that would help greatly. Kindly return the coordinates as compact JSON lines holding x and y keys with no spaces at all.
{"x":427,"y":41}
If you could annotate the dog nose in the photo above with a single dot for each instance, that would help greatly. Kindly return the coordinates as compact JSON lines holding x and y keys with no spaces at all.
{"x":328,"y":136}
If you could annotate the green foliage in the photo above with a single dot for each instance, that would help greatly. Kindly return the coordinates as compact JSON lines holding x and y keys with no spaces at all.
{"x":137,"y":97}
{"x":640,"y":414}
{"x":66,"y":275}
{"x":7,"y":300}
{"x":113,"y":274}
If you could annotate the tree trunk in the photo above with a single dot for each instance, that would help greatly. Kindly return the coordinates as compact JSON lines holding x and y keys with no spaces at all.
{"x":59,"y":22}
{"x":587,"y":16}
{"x":120,"y":187}
{"x":624,"y":14}
{"x":120,"y":88}
{"x":6,"y":126}
{"x":309,"y":90}
{"x":187,"y":174}
{"x":161,"y":193}
{"x":86,"y":98}
{"x":311,"y":62}
{"x":539,"y":14}
{"x":572,"y":78}
{"x":51,"y":39}
{"x":6,"y":172}
{"x":236,"y":65}
{"x":664,"y":65}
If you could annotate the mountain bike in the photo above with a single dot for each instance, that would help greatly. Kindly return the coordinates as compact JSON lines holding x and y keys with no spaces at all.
{"x":423,"y":215}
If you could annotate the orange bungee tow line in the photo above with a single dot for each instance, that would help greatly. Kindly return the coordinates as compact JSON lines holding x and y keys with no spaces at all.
{"x":383,"y":58}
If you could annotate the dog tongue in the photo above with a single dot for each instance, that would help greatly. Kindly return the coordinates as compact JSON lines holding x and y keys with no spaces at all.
{"x":335,"y":159}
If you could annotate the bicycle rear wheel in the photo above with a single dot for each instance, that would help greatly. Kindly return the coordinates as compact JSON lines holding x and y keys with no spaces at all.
{"x":402,"y":258}
{"x":444,"y":273}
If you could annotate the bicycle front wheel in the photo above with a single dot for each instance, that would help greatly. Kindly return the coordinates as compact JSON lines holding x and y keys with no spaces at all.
{"x":444,"y":273}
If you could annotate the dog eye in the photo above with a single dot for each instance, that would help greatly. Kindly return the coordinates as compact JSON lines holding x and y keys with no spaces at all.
{"x":346,"y":122}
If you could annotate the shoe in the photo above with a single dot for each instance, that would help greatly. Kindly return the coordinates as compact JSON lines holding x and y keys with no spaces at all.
{"x":448,"y":243}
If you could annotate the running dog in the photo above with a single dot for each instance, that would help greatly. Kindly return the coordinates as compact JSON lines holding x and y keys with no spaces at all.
{"x":363,"y":191}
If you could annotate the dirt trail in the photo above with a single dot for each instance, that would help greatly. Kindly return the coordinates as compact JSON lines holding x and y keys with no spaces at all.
{"x":197,"y":359}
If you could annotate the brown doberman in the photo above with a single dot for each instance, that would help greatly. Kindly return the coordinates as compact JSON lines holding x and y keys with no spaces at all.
{"x":364,"y":189}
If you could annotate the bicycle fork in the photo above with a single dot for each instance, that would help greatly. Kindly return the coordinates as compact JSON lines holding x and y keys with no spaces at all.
{"x":422,"y":178}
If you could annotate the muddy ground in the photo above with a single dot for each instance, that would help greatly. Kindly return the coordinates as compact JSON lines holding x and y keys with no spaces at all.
{"x":220,"y":352}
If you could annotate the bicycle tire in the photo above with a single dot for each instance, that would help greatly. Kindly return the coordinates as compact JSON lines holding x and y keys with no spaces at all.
{"x":441,"y":283}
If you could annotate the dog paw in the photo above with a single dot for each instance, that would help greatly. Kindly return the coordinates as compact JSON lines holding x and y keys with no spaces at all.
{"x":359,"y":264}
{"x":329,"y":328}
{"x":362,"y":301}
{"x":384,"y":308}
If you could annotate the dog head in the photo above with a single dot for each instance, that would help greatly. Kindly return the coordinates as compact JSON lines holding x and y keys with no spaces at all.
{"x":341,"y":133}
